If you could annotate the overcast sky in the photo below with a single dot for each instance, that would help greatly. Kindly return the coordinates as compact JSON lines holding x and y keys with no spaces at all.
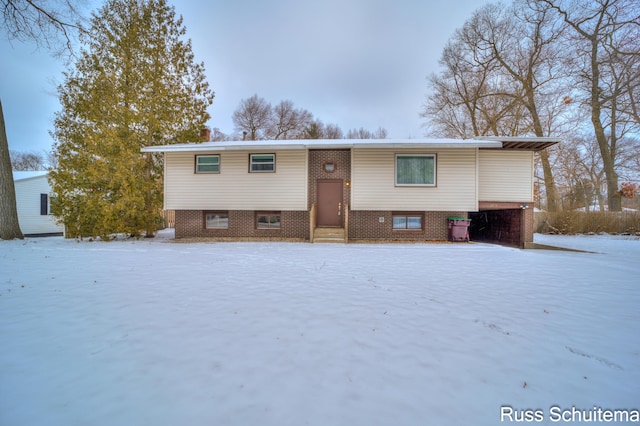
{"x":354,"y":63}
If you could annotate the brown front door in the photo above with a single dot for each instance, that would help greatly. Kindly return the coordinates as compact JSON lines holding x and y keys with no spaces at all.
{"x":329,"y":203}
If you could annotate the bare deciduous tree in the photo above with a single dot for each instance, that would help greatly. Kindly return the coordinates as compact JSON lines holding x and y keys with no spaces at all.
{"x":287,"y":121}
{"x":523,"y":41}
{"x":253,"y":116}
{"x":604,"y":55}
{"x":315,"y":130}
{"x":468,"y":98}
{"x":218,"y":136}
{"x":43,"y":22}
{"x":333,"y":131}
{"x":579,"y":170}
{"x":502,"y":76}
{"x":318,"y":130}
{"x":50,"y":23}
{"x":24,"y":161}
{"x":628,"y":160}
{"x":259,"y":120}
{"x":363,"y":133}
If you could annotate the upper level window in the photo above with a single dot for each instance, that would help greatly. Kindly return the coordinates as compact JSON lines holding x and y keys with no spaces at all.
{"x":416,"y":169}
{"x":207,"y":164}
{"x":262,"y":163}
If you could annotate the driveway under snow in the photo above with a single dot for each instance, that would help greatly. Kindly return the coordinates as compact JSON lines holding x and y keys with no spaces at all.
{"x":164,"y":333}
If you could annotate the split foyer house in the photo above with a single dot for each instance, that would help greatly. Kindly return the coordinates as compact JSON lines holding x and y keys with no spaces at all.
{"x":352,"y":190}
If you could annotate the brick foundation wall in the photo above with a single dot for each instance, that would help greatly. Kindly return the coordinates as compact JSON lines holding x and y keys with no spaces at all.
{"x":363,"y":225}
{"x":366,"y":225}
{"x":294,"y":225}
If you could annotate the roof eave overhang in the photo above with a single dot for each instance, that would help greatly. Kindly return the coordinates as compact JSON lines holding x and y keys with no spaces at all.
{"x":523,"y":143}
{"x":336,"y":144}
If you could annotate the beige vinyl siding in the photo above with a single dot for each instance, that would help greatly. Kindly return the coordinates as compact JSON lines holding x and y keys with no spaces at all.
{"x":373,"y":182}
{"x":505,"y":175}
{"x":234,"y":188}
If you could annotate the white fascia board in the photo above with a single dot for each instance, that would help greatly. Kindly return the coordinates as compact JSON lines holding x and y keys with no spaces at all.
{"x":433,"y":145}
{"x":221,"y":146}
{"x":327,"y":144}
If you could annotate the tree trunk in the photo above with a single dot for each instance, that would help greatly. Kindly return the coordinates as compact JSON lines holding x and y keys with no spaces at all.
{"x":9,"y":226}
{"x":614,"y":197}
{"x":549,"y":181}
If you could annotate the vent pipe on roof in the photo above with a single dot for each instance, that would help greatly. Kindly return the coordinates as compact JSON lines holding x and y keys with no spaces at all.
{"x":244,"y":135}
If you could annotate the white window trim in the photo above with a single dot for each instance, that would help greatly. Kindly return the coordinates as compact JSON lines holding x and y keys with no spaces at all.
{"x":435,"y":170}
{"x":407,"y":216}
{"x":207,"y":172}
{"x":262,"y":171}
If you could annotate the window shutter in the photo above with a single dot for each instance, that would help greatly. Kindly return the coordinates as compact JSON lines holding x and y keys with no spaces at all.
{"x":44,"y":210}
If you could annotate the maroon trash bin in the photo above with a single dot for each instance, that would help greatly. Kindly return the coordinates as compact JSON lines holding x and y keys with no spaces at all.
{"x":459,"y":229}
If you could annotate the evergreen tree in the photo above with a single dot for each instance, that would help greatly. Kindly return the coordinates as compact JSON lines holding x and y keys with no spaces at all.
{"x":135,"y":84}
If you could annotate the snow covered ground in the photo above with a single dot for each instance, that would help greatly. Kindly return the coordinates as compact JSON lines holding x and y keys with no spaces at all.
{"x":164,"y":333}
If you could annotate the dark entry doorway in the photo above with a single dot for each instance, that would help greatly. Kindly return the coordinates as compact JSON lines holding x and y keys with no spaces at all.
{"x":329,"y":195}
{"x":497,"y":226}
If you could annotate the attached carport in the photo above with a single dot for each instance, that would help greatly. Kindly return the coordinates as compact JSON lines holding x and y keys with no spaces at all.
{"x":505,"y":206}
{"x":509,"y":224}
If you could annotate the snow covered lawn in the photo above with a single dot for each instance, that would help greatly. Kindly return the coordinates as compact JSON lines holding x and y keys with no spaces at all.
{"x":165,"y":333}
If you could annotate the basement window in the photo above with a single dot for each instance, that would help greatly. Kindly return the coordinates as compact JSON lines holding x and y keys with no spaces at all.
{"x":216,"y":220}
{"x":268,"y":220}
{"x":411,"y":222}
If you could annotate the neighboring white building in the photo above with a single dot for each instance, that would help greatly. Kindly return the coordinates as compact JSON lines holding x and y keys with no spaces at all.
{"x":33,"y":194}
